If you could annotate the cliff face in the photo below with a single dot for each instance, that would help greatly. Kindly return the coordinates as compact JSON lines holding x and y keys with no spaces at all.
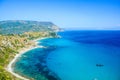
{"x":22,"y":26}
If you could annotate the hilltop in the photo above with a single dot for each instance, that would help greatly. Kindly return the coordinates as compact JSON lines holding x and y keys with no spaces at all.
{"x":22,"y":26}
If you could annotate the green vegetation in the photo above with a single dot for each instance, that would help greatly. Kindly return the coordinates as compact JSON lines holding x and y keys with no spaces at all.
{"x":21,"y":26}
{"x":15,"y":35}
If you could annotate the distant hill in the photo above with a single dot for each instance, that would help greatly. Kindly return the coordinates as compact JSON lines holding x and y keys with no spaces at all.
{"x":22,"y":26}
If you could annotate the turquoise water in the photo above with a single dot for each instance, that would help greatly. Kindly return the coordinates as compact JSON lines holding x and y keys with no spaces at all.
{"x":75,"y":56}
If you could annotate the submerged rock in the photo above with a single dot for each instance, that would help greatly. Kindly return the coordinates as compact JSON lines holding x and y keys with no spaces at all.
{"x":99,"y":65}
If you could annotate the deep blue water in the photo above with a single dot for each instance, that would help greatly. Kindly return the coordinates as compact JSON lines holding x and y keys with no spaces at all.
{"x":78,"y":55}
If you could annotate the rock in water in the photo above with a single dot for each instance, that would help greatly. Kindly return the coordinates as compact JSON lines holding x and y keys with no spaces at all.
{"x":99,"y":65}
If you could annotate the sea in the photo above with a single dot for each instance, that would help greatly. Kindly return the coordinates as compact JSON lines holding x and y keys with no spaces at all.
{"x":77,"y":55}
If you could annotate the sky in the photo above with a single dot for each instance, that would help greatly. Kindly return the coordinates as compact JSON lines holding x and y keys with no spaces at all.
{"x":68,"y":14}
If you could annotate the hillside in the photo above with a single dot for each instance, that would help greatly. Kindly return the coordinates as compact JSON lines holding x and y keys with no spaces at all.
{"x":22,"y":26}
{"x":17,"y":35}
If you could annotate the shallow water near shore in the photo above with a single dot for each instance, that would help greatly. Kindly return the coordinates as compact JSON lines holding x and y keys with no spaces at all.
{"x":75,"y":56}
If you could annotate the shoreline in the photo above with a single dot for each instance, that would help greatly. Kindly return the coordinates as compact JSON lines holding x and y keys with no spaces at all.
{"x":9,"y":68}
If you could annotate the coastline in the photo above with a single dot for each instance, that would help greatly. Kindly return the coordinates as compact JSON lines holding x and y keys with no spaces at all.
{"x":21,"y":52}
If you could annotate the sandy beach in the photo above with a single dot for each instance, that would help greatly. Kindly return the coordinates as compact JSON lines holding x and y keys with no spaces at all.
{"x":24,"y":50}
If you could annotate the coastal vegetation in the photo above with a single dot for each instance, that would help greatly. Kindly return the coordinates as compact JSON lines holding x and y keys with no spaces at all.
{"x":15,"y":35}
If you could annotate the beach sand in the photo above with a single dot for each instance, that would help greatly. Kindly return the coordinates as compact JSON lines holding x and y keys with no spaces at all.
{"x":24,"y":50}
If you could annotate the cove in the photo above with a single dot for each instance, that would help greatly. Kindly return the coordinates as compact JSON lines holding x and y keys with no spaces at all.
{"x":78,"y":55}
